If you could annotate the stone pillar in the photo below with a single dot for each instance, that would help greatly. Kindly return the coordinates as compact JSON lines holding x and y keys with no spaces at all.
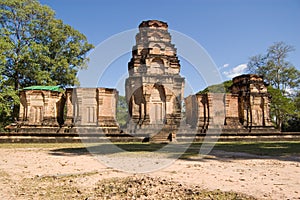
{"x":146,"y":120}
{"x":70,"y":114}
{"x":203,"y":112}
{"x":23,"y":107}
{"x":48,"y":110}
{"x":266,"y":111}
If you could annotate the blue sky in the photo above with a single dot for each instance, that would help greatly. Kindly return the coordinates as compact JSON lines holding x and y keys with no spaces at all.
{"x":229,"y":30}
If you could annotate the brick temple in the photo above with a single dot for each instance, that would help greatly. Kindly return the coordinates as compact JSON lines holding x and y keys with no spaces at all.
{"x":154,"y":93}
{"x":244,"y":109}
{"x":154,"y":88}
{"x":51,"y":109}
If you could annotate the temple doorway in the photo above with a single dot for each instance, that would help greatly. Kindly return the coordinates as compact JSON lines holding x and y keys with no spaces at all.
{"x":157,"y":105}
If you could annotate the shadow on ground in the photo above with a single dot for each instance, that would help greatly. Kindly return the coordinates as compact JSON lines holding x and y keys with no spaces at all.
{"x":287,"y":151}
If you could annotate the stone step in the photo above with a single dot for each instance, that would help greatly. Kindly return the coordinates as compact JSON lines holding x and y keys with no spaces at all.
{"x":260,"y":138}
{"x":45,"y":139}
{"x":93,"y":138}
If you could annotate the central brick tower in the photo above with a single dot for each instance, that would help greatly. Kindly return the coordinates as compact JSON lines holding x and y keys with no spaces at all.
{"x":154,"y":88}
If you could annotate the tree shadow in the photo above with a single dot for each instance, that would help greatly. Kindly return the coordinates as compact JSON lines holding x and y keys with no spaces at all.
{"x":285,"y":151}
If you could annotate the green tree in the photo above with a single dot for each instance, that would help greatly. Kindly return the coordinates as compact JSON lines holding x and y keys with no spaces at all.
{"x":218,"y":88}
{"x":297,"y":103}
{"x":122,"y":111}
{"x":281,"y":75}
{"x":293,"y":123}
{"x":275,"y":69}
{"x":7,"y":94}
{"x":282,"y":107}
{"x":39,"y":49}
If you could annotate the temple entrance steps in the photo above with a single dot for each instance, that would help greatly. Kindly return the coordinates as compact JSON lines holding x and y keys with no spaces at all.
{"x":142,"y":137}
{"x":163,"y":136}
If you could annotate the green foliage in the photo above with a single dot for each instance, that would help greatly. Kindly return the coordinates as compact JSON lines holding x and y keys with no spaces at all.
{"x":43,"y":50}
{"x":275,"y":69}
{"x":122,"y":111}
{"x":297,"y":103}
{"x":36,"y":49}
{"x":293,"y":122}
{"x":282,"y":76}
{"x":281,"y":107}
{"x":8,"y":96}
{"x":218,"y":88}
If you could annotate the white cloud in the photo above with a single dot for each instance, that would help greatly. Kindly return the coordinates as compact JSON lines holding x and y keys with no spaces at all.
{"x":291,"y":91}
{"x":236,"y":71}
{"x":225,"y":65}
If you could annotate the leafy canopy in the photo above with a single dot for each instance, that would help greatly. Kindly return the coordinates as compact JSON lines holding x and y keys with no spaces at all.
{"x":42,"y":50}
{"x":284,"y":80}
{"x":122,"y":111}
{"x":36,"y":49}
{"x":275,"y":69}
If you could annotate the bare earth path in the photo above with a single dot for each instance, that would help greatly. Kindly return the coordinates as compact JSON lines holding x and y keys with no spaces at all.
{"x":260,"y":177}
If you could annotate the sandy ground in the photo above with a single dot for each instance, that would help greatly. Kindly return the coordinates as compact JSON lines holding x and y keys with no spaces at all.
{"x":260,"y":177}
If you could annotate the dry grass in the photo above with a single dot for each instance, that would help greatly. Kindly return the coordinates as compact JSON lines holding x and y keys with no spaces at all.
{"x":133,"y":187}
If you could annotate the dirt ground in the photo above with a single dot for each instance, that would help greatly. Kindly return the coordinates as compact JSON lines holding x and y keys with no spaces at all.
{"x":25,"y":172}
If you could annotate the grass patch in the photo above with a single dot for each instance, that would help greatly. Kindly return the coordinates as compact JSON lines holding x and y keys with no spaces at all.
{"x":257,"y":148}
{"x":41,"y":145}
{"x":261,"y":148}
{"x":3,"y":174}
{"x":145,"y":187}
{"x":132,"y":187}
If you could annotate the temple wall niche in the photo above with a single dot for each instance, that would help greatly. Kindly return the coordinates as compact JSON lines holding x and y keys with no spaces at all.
{"x":156,"y":66}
